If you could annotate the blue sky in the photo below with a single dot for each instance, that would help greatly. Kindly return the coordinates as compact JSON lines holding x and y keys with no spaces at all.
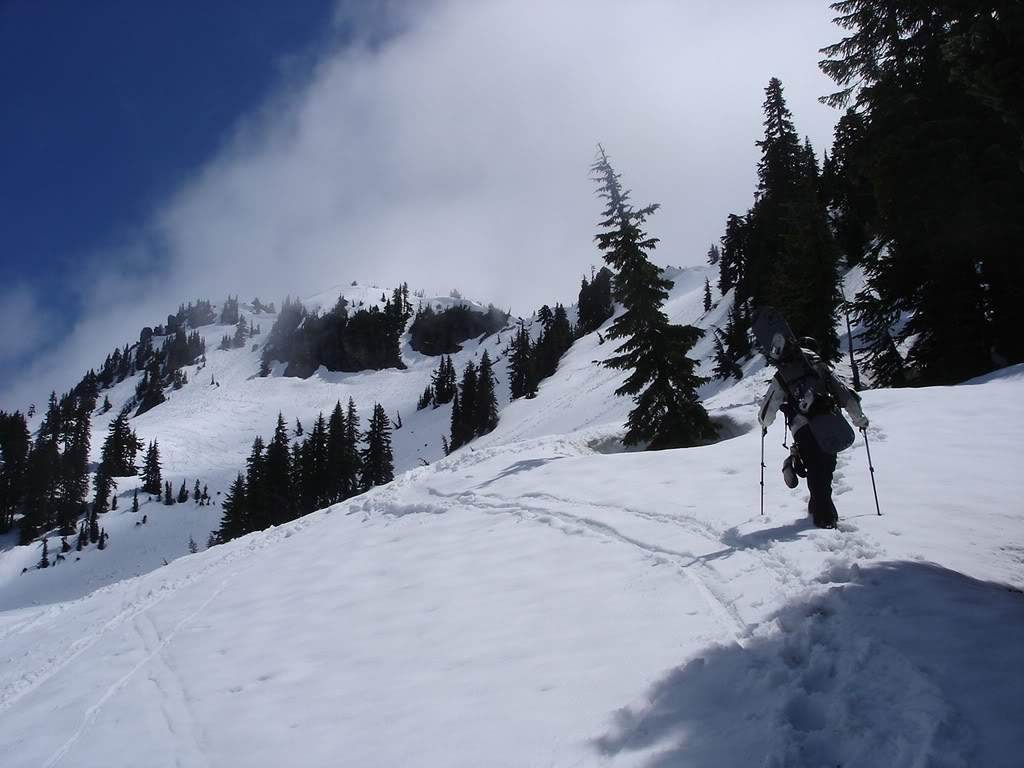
{"x":152,"y":153}
{"x":110,"y":104}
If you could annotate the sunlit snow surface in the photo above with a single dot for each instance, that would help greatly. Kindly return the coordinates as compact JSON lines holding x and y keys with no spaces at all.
{"x":541,"y":598}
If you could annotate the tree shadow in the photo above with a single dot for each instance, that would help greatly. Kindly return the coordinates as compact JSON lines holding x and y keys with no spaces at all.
{"x":766,"y":537}
{"x":520,"y":466}
{"x":907,"y":664}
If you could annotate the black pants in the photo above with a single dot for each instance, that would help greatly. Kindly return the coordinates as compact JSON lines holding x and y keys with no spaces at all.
{"x":820,"y":468}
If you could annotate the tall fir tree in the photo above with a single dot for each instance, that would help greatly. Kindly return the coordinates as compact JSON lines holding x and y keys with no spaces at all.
{"x":725,"y":366}
{"x":258,"y":513}
{"x":235,"y":520}
{"x":667,"y":412}
{"x":938,"y":87}
{"x":378,"y":461}
{"x":353,"y":464}
{"x":522,"y":366}
{"x":120,"y":448}
{"x":277,"y":488}
{"x":485,"y":412}
{"x":444,"y":381}
{"x":15,"y":442}
{"x":782,"y":252}
{"x":336,"y":484}
{"x":315,"y":491}
{"x":152,"y":480}
{"x":464,"y":418}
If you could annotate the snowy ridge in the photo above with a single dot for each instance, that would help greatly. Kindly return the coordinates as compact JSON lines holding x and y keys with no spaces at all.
{"x":542,"y":598}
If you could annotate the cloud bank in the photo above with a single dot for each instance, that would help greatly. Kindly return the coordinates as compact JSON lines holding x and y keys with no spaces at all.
{"x":455,"y":153}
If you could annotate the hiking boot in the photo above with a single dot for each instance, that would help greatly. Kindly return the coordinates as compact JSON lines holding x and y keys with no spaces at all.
{"x":789,"y":473}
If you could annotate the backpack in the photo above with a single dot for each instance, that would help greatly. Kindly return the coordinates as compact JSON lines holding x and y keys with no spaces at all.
{"x":806,"y":387}
{"x":805,"y":381}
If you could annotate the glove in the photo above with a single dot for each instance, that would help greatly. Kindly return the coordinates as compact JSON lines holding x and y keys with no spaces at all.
{"x":860,"y":422}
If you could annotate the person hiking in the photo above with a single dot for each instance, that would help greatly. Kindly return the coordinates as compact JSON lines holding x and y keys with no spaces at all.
{"x":816,"y":391}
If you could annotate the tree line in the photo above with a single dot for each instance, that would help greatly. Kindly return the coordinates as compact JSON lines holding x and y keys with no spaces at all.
{"x":286,"y":479}
{"x":340,"y":340}
{"x":923,"y":187}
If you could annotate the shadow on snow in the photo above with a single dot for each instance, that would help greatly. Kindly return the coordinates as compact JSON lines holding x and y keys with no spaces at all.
{"x":908,"y":664}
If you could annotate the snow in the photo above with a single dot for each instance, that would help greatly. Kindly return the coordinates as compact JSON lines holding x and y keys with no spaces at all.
{"x":541,"y":597}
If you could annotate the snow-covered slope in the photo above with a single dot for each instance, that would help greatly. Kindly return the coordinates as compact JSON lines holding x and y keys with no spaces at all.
{"x":541,"y":598}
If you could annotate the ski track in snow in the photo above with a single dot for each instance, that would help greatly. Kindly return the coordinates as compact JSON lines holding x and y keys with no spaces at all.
{"x":823,"y":665}
{"x":175,"y":722}
{"x":141,"y":600}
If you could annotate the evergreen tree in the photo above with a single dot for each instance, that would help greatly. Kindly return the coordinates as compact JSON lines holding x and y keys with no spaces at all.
{"x":182,"y":493}
{"x":554,"y":343}
{"x":595,"y":302}
{"x":426,"y":399}
{"x":457,"y":428}
{"x":94,"y":527}
{"x":277,"y":480}
{"x":83,"y":538}
{"x":352,"y":467}
{"x":168,"y":494}
{"x":150,"y":391}
{"x":196,"y":493}
{"x":725,"y":366}
{"x":120,"y":447}
{"x":135,"y":500}
{"x":522,"y":366}
{"x":259,"y":516}
{"x":733,"y":255}
{"x":846,"y":189}
{"x":464,"y":418}
{"x":783,"y":252}
{"x":103,"y":484}
{"x":241,"y":333}
{"x":74,"y":463}
{"x":316,"y":488}
{"x":881,"y":357}
{"x":298,"y":482}
{"x":378,"y":462}
{"x":337,"y":485}
{"x":44,"y":560}
{"x":736,"y":337}
{"x":15,"y":443}
{"x":485,"y":411}
{"x":444,"y":381}
{"x":662,"y":382}
{"x":707,"y":295}
{"x":235,"y":521}
{"x":940,"y":147}
{"x":152,"y":480}
{"x":229,"y":311}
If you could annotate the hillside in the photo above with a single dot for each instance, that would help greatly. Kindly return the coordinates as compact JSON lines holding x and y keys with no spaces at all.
{"x":540,"y":597}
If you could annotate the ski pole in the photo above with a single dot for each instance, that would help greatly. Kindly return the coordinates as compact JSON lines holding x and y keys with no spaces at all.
{"x":870,"y":466}
{"x":764,"y":431}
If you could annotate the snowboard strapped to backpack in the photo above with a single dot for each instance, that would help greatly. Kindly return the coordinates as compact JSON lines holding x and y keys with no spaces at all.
{"x":805,"y":380}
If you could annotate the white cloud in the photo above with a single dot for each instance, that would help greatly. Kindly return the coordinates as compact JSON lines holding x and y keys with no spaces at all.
{"x":25,"y":321}
{"x":456,"y":154}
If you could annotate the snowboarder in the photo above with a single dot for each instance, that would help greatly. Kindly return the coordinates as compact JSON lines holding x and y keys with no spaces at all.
{"x":800,"y":403}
